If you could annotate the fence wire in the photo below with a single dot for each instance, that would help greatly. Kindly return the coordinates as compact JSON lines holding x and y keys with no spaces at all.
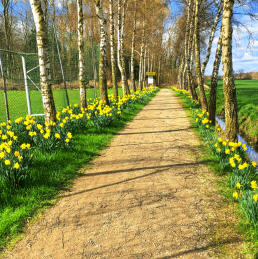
{"x":64,"y":83}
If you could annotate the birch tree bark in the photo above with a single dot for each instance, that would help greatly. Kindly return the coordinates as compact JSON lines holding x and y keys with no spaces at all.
{"x":120,"y":39}
{"x":189,"y":50}
{"x":152,"y":61}
{"x":148,"y":63}
{"x":132,"y":79}
{"x":213,"y":30}
{"x":187,"y":35}
{"x":231,"y":115}
{"x":159,"y":70}
{"x":144,"y":66}
{"x":82,"y":83}
{"x":202,"y":99}
{"x":44,"y":64}
{"x":102,"y":54}
{"x":112,"y":48}
{"x":142,"y":51}
{"x":141,"y":67}
{"x":179,"y":75}
{"x":214,"y":82}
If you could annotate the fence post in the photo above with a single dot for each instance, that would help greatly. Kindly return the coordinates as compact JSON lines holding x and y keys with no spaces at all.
{"x":61,"y":65}
{"x":26,"y":85}
{"x":5,"y":90}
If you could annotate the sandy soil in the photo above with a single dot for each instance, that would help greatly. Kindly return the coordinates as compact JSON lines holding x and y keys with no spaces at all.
{"x":147,"y":196}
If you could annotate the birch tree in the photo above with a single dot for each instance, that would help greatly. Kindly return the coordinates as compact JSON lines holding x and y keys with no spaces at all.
{"x":188,"y":47}
{"x":120,"y":39}
{"x":231,"y":116}
{"x":102,"y":54}
{"x":202,"y":99}
{"x":112,"y":48}
{"x":187,"y":35}
{"x":213,"y":30}
{"x":44,"y":64}
{"x":214,"y":82}
{"x":141,"y":71}
{"x":144,"y":66}
{"x":82,"y":83}
{"x":132,"y":76}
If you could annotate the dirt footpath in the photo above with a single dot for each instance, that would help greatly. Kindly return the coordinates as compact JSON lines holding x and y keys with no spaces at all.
{"x":146,"y":196}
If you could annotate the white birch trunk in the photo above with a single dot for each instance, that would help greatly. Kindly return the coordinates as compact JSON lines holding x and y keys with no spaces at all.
{"x":120,"y":38}
{"x":102,"y":54}
{"x":203,"y":100}
{"x":112,"y":48}
{"x":231,"y":115}
{"x":144,"y":67}
{"x":44,"y":64}
{"x":188,"y":46}
{"x":213,"y":30}
{"x":214,"y":82}
{"x":82,"y":83}
{"x":132,"y":78}
{"x":140,"y":68}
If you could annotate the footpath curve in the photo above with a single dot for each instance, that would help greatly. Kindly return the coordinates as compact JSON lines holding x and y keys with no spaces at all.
{"x":147,"y":195}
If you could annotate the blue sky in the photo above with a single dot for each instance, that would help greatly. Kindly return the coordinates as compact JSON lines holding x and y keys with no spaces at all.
{"x":245,"y":50}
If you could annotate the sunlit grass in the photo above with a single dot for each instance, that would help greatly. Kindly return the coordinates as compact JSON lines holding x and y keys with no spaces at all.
{"x":18,"y":104}
{"x":247,"y":102}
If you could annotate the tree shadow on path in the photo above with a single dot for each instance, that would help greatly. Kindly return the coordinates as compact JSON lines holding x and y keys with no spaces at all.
{"x":160,"y":169}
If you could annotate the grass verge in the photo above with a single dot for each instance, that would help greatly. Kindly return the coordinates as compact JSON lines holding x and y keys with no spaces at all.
{"x":53,"y":173}
{"x":18,"y":104}
{"x":247,"y":230}
{"x":247,"y":101}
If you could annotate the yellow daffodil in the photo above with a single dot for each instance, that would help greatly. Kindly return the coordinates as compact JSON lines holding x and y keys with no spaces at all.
{"x":16,"y":166}
{"x":57,"y":135}
{"x":238,"y":186}
{"x":255,"y":197}
{"x":227,"y":151}
{"x":7,"y":162}
{"x":2,"y":154}
{"x":253,"y":185}
{"x":235,"y":195}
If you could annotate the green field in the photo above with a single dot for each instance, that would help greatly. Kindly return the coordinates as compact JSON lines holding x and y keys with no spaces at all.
{"x":247,"y":101}
{"x":18,"y":104}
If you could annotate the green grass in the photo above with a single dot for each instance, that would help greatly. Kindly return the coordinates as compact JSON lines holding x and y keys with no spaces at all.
{"x":50,"y":174}
{"x":247,"y":101}
{"x":18,"y":104}
{"x":249,"y":233}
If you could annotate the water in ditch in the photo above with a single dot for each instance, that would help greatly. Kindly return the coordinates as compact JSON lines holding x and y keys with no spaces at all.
{"x":251,"y":152}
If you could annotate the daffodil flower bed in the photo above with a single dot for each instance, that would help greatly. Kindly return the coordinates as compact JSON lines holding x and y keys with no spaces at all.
{"x":243,"y":176}
{"x":20,"y":138}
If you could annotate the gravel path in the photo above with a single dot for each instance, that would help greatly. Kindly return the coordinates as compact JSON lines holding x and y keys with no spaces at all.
{"x":146,"y":196}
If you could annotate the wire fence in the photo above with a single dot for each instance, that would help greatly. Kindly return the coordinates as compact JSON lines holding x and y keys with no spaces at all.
{"x":20,"y":78}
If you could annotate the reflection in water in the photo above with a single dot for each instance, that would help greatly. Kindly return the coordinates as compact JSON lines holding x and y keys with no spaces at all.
{"x":252,"y":154}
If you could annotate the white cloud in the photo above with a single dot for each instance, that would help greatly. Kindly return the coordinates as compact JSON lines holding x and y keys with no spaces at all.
{"x":245,"y":49}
